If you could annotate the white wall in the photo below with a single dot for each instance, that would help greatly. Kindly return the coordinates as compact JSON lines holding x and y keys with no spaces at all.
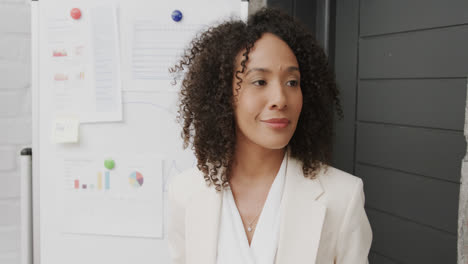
{"x":15,"y":117}
{"x":463,"y":204}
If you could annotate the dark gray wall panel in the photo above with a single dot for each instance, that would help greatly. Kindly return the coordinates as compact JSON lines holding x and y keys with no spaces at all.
{"x":409,"y":242}
{"x":375,"y":258}
{"x":347,"y":19}
{"x":438,"y":103}
{"x":421,"y":199}
{"x":305,"y":11}
{"x":434,"y":53}
{"x":285,"y":5}
{"x":434,"y":153}
{"x":383,"y":16}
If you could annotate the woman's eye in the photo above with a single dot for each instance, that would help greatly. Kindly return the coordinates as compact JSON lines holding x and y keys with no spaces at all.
{"x":260,"y":82}
{"x":293,"y":83}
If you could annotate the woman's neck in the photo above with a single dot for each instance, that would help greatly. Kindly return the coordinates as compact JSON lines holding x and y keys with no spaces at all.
{"x":254,"y":164}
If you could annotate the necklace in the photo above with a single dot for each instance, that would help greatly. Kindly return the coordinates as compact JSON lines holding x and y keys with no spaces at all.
{"x":249,"y":228}
{"x":250,"y":224}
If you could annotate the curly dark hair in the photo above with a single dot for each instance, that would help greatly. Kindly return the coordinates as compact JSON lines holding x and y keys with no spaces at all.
{"x":206,"y":109}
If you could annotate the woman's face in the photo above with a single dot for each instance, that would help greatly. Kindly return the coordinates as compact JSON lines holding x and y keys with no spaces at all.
{"x":268,"y":104}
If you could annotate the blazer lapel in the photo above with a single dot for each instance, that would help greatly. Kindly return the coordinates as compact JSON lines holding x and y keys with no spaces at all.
{"x":202,"y":224}
{"x":301,"y":217}
{"x":301,"y":220}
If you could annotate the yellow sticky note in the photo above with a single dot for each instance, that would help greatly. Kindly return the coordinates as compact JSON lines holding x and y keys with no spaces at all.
{"x":65,"y":130}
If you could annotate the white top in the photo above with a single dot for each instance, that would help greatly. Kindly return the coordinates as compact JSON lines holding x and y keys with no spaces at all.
{"x":233,"y":246}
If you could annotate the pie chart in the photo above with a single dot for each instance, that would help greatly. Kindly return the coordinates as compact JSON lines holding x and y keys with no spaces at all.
{"x":136,"y":179}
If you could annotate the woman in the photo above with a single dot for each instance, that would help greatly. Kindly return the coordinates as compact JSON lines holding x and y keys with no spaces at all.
{"x":257,"y":107}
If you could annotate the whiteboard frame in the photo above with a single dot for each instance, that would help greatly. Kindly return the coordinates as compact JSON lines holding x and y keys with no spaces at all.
{"x":35,"y":130}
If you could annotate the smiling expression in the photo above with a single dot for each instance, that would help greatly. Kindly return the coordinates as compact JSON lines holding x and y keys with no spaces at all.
{"x":268,"y":104}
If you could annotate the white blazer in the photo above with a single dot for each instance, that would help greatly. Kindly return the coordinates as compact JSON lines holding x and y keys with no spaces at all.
{"x":323,"y":219}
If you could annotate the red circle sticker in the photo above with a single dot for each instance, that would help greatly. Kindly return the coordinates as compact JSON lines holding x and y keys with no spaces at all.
{"x":75,"y":13}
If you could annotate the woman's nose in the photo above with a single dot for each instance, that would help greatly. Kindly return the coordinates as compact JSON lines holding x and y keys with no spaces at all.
{"x":278,"y":97}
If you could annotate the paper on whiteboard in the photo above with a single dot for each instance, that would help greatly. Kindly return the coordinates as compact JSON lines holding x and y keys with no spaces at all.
{"x":152,"y":42}
{"x":65,"y":130}
{"x":106,"y":62}
{"x":124,"y":201}
{"x":156,"y":46}
{"x":84,"y":63}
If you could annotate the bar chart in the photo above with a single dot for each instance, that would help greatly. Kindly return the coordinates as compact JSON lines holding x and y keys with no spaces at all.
{"x":98,"y":183}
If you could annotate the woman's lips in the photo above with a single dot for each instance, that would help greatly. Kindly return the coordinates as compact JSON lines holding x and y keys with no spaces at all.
{"x":277,"y":122}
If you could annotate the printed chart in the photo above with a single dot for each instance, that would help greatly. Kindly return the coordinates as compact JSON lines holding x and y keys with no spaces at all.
{"x":126,"y":200}
{"x":136,"y":179}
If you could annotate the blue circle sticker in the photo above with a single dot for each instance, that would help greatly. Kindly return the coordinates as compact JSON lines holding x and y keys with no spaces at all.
{"x":176,"y":15}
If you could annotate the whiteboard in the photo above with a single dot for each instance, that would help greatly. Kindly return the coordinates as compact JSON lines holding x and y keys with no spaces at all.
{"x":103,"y":221}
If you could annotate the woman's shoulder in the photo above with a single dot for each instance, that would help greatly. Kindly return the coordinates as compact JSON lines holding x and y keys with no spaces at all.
{"x":332,"y":175}
{"x":183,"y":185}
{"x":339,"y":184}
